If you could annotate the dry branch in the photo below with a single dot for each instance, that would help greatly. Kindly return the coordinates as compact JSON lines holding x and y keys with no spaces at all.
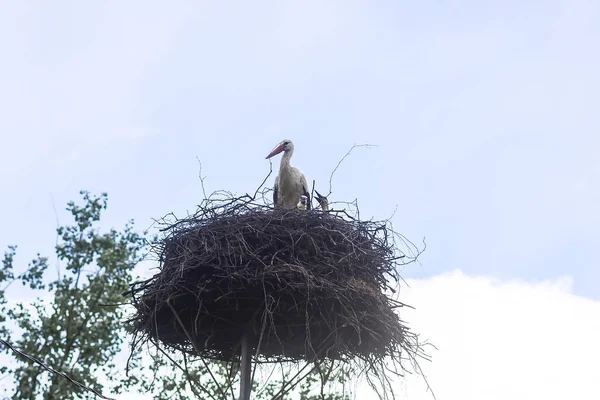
{"x":52,"y":370}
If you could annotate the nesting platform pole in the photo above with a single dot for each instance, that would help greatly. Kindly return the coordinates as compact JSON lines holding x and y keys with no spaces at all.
{"x":245,"y":370}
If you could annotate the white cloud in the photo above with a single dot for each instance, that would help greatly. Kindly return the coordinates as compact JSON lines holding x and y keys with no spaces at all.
{"x":503,"y":339}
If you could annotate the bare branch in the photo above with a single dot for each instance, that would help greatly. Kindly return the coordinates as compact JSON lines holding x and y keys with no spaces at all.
{"x":201,"y":177}
{"x":264,"y":181}
{"x":52,"y":370}
{"x":343,"y":158}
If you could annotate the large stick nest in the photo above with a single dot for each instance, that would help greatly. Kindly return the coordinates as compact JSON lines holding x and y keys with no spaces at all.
{"x":300,"y":285}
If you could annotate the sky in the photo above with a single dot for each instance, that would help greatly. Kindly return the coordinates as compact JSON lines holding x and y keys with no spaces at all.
{"x":484,"y":115}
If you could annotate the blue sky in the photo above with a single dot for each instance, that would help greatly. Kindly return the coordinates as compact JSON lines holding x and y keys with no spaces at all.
{"x":485,"y":115}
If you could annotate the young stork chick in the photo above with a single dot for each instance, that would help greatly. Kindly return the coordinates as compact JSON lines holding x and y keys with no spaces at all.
{"x":322,"y":201}
{"x":290,"y":183}
{"x":303,"y":204}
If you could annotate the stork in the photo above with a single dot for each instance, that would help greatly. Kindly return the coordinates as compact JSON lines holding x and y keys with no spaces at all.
{"x":290,"y":183}
{"x":322,"y":201}
{"x":303,"y":204}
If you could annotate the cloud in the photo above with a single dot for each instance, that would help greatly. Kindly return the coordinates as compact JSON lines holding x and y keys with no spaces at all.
{"x":503,"y":339}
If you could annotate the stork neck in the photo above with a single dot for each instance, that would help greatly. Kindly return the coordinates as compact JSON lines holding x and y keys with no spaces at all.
{"x":285,"y":160}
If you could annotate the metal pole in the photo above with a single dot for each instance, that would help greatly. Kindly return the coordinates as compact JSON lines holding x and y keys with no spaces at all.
{"x":245,"y":370}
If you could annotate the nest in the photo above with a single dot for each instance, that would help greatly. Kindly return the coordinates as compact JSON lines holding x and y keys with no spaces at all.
{"x":299,"y":285}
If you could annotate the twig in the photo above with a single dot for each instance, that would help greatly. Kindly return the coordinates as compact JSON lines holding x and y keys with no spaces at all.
{"x":188,"y":376}
{"x":290,"y":385}
{"x":312,"y":194}
{"x":264,"y":181}
{"x":217,"y":384}
{"x":343,"y":158}
{"x":201,"y":177}
{"x":52,"y":370}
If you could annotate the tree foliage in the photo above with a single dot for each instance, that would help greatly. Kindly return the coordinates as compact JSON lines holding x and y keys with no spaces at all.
{"x":75,"y":324}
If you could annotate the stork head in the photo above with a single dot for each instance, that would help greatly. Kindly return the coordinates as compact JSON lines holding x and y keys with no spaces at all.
{"x":285,"y":145}
{"x":302,"y":204}
{"x":322,"y":201}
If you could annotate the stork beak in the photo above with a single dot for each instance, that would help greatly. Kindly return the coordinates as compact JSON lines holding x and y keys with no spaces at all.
{"x":277,"y":150}
{"x":319,"y":196}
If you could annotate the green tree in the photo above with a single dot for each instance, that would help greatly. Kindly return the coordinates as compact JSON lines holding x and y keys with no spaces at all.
{"x":76,"y":323}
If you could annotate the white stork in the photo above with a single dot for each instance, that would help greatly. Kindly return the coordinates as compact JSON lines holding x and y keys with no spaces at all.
{"x":303,"y":204}
{"x":322,"y":201}
{"x":290,"y":183}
